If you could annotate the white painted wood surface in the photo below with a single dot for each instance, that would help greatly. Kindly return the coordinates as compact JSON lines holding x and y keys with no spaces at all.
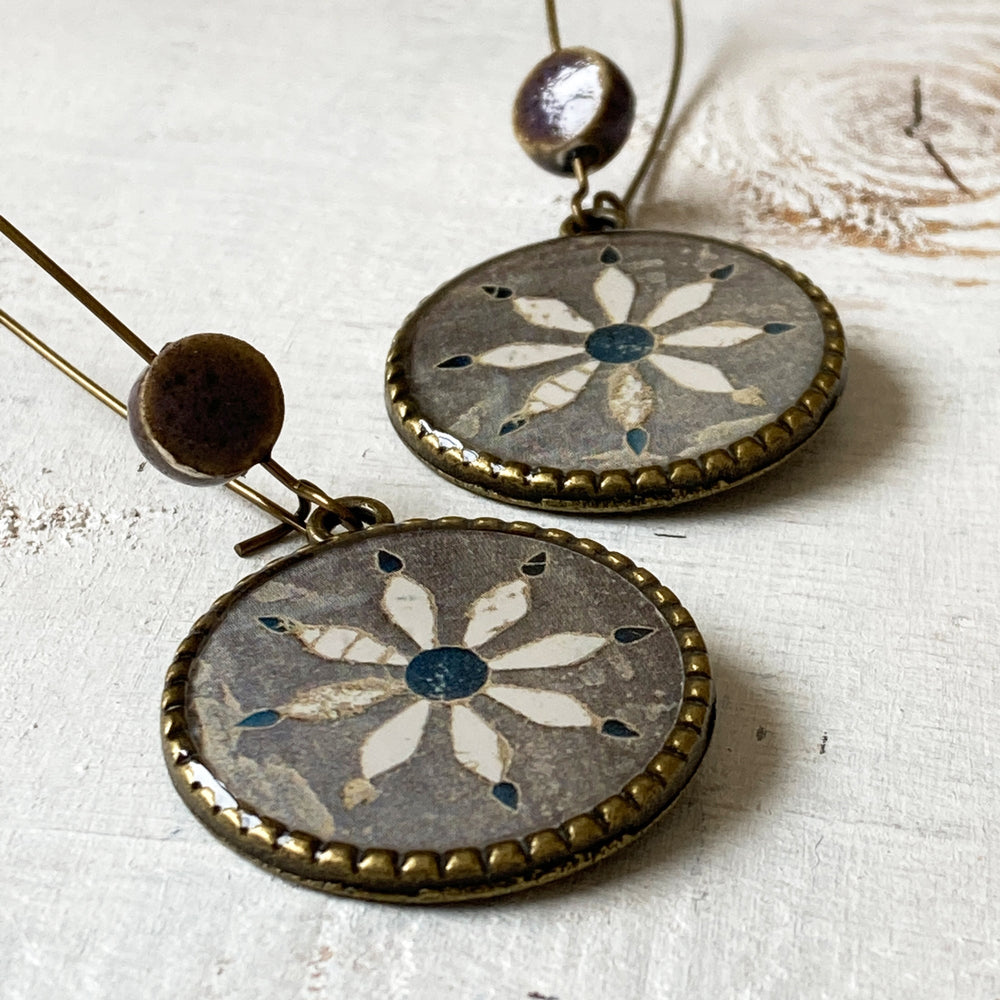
{"x":301,"y":175}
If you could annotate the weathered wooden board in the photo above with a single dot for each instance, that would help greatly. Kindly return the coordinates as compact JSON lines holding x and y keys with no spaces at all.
{"x":302,"y":176}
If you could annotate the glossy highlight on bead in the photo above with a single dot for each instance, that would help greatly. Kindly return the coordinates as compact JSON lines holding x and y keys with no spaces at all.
{"x":574,"y":105}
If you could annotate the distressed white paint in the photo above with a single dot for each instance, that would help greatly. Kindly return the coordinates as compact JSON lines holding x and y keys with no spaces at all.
{"x":749,"y":395}
{"x":630,"y":398}
{"x":496,"y":611}
{"x":477,"y":746}
{"x":560,"y":390}
{"x":553,"y":314}
{"x":697,"y":375}
{"x":411,"y":606}
{"x":614,"y":291}
{"x":395,"y":740}
{"x":526,"y":355}
{"x":547,"y":708}
{"x":679,"y":301}
{"x":346,"y":642}
{"x":237,"y":166}
{"x":563,"y":649}
{"x":724,"y":334}
{"x":340,"y":700}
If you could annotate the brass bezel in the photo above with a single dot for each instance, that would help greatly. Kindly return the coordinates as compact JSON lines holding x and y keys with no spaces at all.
{"x":611,"y":491}
{"x":426,"y":876}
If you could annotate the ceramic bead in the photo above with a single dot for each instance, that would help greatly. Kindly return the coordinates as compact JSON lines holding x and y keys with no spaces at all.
{"x":207,"y":408}
{"x":575,"y":103}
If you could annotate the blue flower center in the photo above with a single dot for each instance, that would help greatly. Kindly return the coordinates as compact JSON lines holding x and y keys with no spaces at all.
{"x":619,"y":343}
{"x":446,"y":673}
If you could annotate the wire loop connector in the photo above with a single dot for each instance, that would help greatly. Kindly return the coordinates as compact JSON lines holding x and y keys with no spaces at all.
{"x":606,"y":212}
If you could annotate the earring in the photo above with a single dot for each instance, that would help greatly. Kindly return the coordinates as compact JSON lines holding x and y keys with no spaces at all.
{"x":415,"y":712}
{"x":611,"y":369}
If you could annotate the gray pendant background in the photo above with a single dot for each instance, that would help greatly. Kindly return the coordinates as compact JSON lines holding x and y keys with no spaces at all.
{"x":295,"y":771}
{"x":471,"y":404}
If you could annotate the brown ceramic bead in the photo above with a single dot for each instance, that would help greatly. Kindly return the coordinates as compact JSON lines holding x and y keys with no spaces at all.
{"x":206,"y":409}
{"x":575,"y":103}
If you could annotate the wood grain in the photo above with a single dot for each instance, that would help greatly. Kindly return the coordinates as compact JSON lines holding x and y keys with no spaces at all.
{"x":302,"y":176}
{"x":873,"y":125}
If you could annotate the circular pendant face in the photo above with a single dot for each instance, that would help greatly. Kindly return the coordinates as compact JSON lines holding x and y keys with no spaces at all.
{"x":616,"y":371}
{"x":438,"y":710}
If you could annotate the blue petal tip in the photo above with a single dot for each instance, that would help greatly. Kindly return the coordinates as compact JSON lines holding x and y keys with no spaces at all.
{"x":637,"y":439}
{"x":274,"y":624}
{"x":618,"y":729}
{"x":389,"y":563}
{"x":260,"y":720}
{"x":458,"y":361}
{"x":634,"y":634}
{"x":512,"y":425}
{"x":506,"y":793}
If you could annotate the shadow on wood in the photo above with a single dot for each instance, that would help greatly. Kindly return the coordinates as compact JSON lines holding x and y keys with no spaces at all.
{"x":736,"y":780}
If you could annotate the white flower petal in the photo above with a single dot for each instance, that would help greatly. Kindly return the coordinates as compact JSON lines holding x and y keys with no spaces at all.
{"x":552,"y":314}
{"x":496,"y":610}
{"x":561,"y":650}
{"x":630,"y":399}
{"x":411,"y":606}
{"x":521,"y":355}
{"x":691,"y":374}
{"x":394,"y":741}
{"x":340,"y":700}
{"x":559,"y":390}
{"x":477,"y":746}
{"x":679,"y":301}
{"x":723,"y":334}
{"x":344,"y":642}
{"x":547,"y":708}
{"x":615,"y":290}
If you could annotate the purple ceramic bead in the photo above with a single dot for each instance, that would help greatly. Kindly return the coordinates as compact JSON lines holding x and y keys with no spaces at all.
{"x":575,"y":103}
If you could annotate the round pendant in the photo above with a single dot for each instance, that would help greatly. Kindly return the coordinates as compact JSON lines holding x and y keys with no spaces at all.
{"x":432,"y":711}
{"x":616,"y":371}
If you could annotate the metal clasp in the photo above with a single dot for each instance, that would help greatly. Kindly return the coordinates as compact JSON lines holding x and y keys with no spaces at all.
{"x":318,"y":515}
{"x":606,"y":212}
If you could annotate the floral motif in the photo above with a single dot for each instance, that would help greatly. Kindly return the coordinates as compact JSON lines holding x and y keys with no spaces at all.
{"x":441,"y":674}
{"x":631,"y":348}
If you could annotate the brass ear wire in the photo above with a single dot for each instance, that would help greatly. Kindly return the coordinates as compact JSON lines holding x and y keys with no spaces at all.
{"x":47,"y":264}
{"x":608,"y":211}
{"x":553,"y":25}
{"x":317,"y":515}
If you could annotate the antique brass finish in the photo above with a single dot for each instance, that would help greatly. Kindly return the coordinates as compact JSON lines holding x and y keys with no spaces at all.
{"x":553,"y":25}
{"x":544,"y":481}
{"x":47,"y":264}
{"x":427,"y":876}
{"x":607,"y":212}
{"x":668,"y":107}
{"x":616,"y":490}
{"x":317,"y":516}
{"x":608,"y":207}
